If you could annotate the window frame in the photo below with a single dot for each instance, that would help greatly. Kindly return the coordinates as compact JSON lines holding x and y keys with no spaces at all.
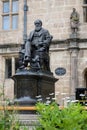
{"x":14,"y":66}
{"x":10,"y":14}
{"x":84,"y":16}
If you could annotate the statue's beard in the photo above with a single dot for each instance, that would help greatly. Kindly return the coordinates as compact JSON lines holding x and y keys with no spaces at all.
{"x":37,"y":29}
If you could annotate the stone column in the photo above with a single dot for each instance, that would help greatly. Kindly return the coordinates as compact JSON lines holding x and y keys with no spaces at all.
{"x":73,"y":49}
{"x":13,"y":65}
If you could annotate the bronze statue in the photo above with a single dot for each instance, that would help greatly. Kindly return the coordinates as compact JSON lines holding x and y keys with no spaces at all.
{"x":37,"y":48}
{"x":74,"y":21}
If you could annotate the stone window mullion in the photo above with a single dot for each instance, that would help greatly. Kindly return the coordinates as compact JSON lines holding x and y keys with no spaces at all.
{"x":13,"y":65}
{"x":10,"y":14}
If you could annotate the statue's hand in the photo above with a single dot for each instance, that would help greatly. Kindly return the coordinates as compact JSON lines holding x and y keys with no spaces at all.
{"x":41,"y":43}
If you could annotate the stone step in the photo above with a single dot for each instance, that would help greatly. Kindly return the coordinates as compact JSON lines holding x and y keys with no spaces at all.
{"x":29,"y":120}
{"x":28,"y":116}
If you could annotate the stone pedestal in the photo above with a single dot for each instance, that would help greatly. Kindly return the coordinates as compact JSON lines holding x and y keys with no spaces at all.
{"x":29,"y":84}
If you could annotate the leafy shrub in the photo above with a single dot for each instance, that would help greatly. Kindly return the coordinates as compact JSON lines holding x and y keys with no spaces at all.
{"x":8,"y":119}
{"x":74,"y":117}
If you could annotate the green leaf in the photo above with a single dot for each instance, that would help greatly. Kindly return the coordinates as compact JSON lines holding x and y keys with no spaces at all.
{"x":51,"y":128}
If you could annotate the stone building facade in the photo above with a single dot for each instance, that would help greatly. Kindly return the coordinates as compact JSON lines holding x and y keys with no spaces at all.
{"x":64,"y":52}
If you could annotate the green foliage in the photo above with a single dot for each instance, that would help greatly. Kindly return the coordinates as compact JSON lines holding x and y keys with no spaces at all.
{"x":8,"y":119}
{"x":74,"y":117}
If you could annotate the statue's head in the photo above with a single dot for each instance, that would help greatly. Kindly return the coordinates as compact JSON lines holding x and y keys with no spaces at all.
{"x":74,"y":9}
{"x":38,"y":24}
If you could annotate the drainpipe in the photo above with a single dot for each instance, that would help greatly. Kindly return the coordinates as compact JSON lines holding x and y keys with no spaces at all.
{"x":25,"y":21}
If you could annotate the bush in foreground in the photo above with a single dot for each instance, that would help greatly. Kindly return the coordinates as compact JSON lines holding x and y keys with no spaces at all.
{"x":74,"y":117}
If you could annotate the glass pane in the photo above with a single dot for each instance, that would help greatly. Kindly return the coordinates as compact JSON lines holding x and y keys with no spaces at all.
{"x":6,"y":23}
{"x":14,"y":21}
{"x":85,"y":14}
{"x":15,"y":6}
{"x":85,"y":1}
{"x":8,"y":68}
{"x":6,"y":7}
{"x":16,"y":63}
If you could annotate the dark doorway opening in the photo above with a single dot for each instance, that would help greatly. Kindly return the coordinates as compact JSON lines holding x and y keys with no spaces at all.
{"x":85,"y":79}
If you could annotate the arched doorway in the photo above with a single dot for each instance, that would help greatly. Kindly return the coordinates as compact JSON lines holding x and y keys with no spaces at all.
{"x":82,"y":90}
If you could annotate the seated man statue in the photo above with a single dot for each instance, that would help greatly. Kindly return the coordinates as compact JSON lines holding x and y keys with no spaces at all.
{"x":37,"y":48}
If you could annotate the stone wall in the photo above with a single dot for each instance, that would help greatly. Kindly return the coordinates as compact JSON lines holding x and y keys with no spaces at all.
{"x":55,"y":15}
